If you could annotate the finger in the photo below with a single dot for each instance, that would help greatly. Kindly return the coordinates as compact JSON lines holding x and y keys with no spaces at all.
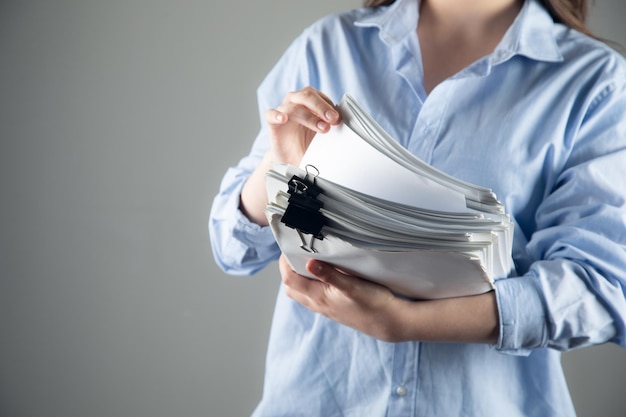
{"x":331,"y":115}
{"x":301,"y":289}
{"x":294,"y":280}
{"x":296,"y":114}
{"x":303,"y":115}
{"x":316,"y":102}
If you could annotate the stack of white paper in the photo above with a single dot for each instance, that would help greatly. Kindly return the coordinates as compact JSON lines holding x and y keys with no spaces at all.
{"x":390,"y":217}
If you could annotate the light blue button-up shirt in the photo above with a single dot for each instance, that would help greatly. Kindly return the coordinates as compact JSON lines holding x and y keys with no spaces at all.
{"x":542,"y":122}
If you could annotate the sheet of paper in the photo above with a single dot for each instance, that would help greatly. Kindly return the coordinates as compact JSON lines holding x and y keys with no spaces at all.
{"x":341,"y":156}
{"x":422,"y":274}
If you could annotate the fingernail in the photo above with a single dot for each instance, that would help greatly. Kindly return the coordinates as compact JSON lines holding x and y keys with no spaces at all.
{"x":322,"y":125}
{"x":330,"y":115}
{"x":280,"y":117}
{"x":318,"y":267}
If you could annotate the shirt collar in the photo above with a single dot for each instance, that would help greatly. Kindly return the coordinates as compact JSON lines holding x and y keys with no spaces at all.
{"x":395,"y":22}
{"x":530,"y":35}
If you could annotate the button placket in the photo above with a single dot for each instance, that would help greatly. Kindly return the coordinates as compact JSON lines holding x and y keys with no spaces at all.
{"x":428,"y":124}
{"x":404,"y":379}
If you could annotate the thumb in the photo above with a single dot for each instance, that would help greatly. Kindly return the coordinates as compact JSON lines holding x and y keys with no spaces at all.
{"x":275,"y":117}
{"x":328,"y":274}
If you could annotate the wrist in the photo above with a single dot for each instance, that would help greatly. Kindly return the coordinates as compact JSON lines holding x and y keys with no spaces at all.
{"x":253,"y":197}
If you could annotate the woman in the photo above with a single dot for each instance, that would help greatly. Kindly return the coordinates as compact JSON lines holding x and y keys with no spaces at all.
{"x":507,"y":94}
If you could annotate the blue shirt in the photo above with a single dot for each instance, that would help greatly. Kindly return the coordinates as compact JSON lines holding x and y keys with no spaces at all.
{"x":542,"y":122}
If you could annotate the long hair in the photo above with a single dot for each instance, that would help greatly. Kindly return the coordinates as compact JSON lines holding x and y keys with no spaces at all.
{"x":572,"y":13}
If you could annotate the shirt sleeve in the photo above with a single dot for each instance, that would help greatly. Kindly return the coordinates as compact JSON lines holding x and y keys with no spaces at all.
{"x":573,"y":294}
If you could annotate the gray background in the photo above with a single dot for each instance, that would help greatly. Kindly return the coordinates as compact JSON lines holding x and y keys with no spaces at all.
{"x":117,"y":121}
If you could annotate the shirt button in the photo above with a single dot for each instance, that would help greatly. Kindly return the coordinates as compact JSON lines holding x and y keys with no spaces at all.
{"x":401,"y":391}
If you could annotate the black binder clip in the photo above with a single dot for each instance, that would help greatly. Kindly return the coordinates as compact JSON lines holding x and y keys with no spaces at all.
{"x":303,"y":211}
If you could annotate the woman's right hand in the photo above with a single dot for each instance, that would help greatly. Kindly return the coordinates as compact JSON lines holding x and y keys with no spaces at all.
{"x":292,"y":125}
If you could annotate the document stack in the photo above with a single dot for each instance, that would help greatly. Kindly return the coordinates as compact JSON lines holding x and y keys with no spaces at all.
{"x":363,"y":203}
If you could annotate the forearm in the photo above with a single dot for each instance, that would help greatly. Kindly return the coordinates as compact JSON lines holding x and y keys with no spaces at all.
{"x":461,"y":319}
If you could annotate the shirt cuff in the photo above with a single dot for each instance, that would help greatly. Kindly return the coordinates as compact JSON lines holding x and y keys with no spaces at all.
{"x":244,"y":229}
{"x":240,"y":246}
{"x":522,"y":317}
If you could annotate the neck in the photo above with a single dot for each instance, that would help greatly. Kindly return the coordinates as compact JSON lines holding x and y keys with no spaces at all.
{"x":465,"y":17}
{"x":455,"y":33}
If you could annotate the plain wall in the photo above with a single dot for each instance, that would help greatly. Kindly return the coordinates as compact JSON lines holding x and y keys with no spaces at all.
{"x":117,"y":122}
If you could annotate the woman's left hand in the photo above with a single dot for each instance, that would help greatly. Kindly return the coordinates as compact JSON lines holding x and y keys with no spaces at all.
{"x":347,"y":299}
{"x":374,"y":310}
